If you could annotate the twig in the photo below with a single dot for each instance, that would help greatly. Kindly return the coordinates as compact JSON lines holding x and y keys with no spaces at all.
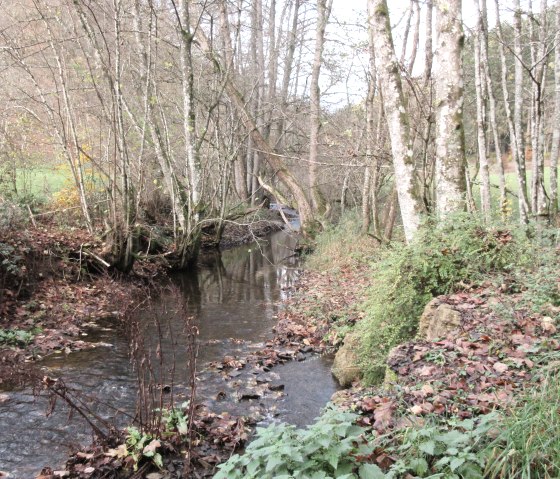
{"x":31,"y":216}
{"x":98,"y":258}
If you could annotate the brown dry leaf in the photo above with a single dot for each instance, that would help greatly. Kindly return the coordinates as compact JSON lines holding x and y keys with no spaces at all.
{"x":427,"y":389}
{"x":383,"y":415}
{"x":500,"y":367}
{"x":416,"y":410}
{"x":154,"y":444}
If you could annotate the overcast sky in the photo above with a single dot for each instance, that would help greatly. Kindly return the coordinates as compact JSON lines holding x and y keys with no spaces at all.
{"x":348,"y":36}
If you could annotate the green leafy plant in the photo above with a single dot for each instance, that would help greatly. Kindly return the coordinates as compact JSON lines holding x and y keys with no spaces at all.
{"x":140,"y":445}
{"x":448,"y":450}
{"x":175,"y":419}
{"x":10,"y":262}
{"x":17,"y":337}
{"x":332,"y":447}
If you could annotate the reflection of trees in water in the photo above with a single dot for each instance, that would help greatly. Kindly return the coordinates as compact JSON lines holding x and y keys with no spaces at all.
{"x":232,"y":294}
{"x":250,"y":273}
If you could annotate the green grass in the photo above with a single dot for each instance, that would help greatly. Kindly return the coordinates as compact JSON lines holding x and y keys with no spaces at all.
{"x":529,"y":443}
{"x":41,"y":181}
{"x":512,"y":188}
{"x":342,"y":245}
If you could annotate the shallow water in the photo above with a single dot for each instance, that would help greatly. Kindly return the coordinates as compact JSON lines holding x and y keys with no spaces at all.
{"x":233,"y":298}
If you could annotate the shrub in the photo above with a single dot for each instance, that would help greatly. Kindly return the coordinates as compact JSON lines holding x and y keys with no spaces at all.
{"x":332,"y":447}
{"x":442,"y":257}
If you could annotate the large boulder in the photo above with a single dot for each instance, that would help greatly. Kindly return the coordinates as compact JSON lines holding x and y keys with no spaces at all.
{"x":345,"y":366}
{"x":438,"y":320}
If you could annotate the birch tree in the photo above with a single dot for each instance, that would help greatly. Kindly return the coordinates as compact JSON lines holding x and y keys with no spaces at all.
{"x":410,"y":201}
{"x":481,"y":109}
{"x":323,"y":13}
{"x":450,"y":146}
{"x":555,"y":148}
{"x":517,"y":150}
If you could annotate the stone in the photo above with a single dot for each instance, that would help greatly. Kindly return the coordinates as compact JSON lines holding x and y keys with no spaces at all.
{"x":438,"y":320}
{"x":345,"y":366}
{"x":247,"y":394}
{"x":276,"y":387}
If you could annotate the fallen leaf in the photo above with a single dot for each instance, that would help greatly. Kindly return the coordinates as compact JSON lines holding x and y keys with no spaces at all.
{"x":500,"y":367}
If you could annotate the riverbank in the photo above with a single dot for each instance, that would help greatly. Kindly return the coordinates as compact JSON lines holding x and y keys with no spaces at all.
{"x":55,"y":286}
{"x":477,"y":360}
{"x":239,"y":291}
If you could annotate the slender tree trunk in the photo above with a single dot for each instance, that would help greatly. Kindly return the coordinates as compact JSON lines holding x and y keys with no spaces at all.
{"x":555,"y":148}
{"x":366,"y":190}
{"x":538,"y":77}
{"x":191,"y":237}
{"x":516,"y":152}
{"x":410,"y":200}
{"x":450,"y":145}
{"x":317,"y":198}
{"x":275,"y":161}
{"x":518,"y":115}
{"x":481,"y":103}
{"x":492,"y":104}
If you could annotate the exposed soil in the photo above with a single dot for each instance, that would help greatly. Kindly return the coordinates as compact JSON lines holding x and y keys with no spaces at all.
{"x":53,"y":295}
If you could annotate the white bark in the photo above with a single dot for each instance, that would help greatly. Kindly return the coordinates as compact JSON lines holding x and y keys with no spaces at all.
{"x":397,"y":117}
{"x":450,"y":149}
{"x":518,"y":115}
{"x":481,"y":104}
{"x":555,"y":149}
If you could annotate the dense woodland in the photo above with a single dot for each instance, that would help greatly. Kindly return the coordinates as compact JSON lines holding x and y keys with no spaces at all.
{"x":179,"y":114}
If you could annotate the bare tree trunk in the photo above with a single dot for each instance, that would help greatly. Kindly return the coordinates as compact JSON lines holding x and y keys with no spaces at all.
{"x":518,"y":115}
{"x":450,"y":146}
{"x":538,"y":77}
{"x":75,"y":158}
{"x":481,"y":97}
{"x":367,"y":188}
{"x":415,"y":39}
{"x":317,"y":198}
{"x":517,"y":153}
{"x":555,"y":148}
{"x":258,"y":79}
{"x":492,"y":103}
{"x":274,"y":160}
{"x":191,"y":236}
{"x":397,"y":117}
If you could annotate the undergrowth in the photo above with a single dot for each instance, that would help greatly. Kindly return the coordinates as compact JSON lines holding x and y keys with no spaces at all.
{"x":443,"y":257}
{"x":528,"y":446}
{"x":332,"y":447}
{"x":342,"y":245}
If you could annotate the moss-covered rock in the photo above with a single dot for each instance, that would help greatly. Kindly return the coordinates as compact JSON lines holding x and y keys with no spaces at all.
{"x":345,"y":366}
{"x":438,"y":320}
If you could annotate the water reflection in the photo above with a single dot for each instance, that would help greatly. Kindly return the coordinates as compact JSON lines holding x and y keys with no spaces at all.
{"x":233,"y":297}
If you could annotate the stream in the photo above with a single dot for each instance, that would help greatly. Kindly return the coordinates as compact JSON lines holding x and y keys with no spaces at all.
{"x":233,"y":297}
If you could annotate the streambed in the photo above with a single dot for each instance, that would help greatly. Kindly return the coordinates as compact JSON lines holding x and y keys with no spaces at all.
{"x":233,"y":298}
